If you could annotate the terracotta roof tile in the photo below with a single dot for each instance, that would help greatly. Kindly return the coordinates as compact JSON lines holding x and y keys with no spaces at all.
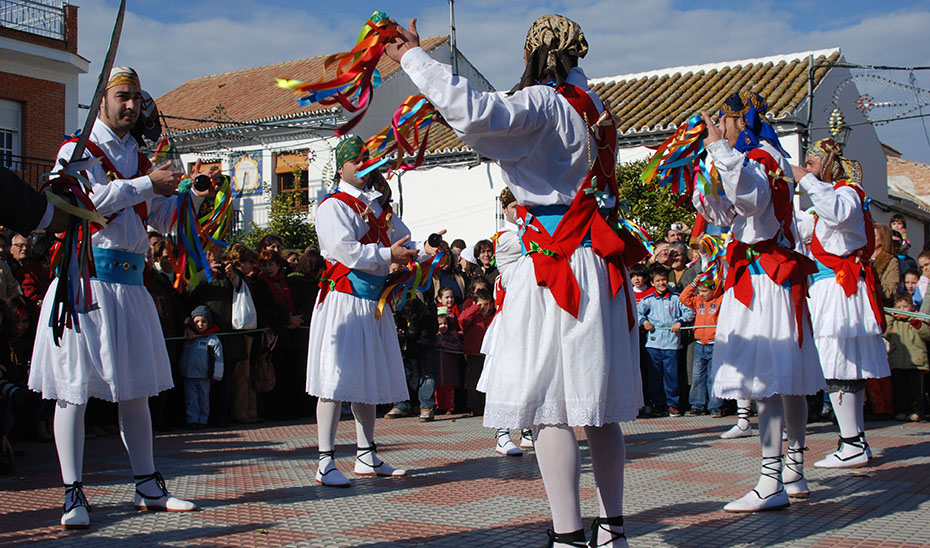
{"x":657,"y":101}
{"x":250,"y":94}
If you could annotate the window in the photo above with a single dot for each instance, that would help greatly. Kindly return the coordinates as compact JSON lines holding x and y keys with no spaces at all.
{"x":291,"y":172}
{"x":10,"y":129}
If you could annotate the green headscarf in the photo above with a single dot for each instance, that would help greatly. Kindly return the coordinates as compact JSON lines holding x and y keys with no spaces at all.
{"x":349,"y":148}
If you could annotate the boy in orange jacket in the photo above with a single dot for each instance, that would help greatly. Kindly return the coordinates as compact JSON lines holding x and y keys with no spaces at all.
{"x":704,"y":299}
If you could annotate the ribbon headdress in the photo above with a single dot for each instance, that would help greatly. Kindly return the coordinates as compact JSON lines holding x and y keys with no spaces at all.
{"x":834,"y":166}
{"x":751,"y":107}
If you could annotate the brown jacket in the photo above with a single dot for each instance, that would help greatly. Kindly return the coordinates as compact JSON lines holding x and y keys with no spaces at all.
{"x":907,"y":343}
{"x":889,"y":276}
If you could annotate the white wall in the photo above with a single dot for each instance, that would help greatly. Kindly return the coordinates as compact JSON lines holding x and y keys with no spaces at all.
{"x":46,"y":63}
{"x":461,"y":200}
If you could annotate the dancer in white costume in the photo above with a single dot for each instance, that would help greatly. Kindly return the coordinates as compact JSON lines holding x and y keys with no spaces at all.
{"x":763,"y":349}
{"x":119,"y":353}
{"x":506,"y":252}
{"x":353,"y":355}
{"x":846,"y":310}
{"x":565,"y":351}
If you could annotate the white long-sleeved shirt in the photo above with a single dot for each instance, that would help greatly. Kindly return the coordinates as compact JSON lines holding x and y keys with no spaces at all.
{"x":747,"y":201}
{"x":126,"y":232}
{"x":535,"y":135}
{"x":840,"y":226}
{"x":340,"y":230}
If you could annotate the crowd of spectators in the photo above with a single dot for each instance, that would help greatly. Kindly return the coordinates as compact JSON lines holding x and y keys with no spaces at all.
{"x":222,"y":373}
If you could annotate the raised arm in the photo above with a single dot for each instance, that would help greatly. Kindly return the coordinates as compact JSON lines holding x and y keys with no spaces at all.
{"x":835,"y":207}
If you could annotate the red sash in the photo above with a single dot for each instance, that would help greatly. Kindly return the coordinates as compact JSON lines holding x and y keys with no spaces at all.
{"x":144,"y":165}
{"x":551,"y":252}
{"x":848,"y":269}
{"x":781,"y":264}
{"x":334,"y":277}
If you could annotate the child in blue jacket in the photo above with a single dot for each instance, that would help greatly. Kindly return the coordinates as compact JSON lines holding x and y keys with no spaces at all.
{"x":201,"y":362}
{"x":662,"y":315}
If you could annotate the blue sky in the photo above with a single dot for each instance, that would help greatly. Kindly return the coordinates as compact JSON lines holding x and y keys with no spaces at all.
{"x":171,"y":42}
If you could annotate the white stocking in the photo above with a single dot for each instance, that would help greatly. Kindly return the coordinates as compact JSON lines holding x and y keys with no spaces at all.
{"x":560,"y":465}
{"x":69,"y":440}
{"x":135,"y":427}
{"x":771,"y":419}
{"x":846,"y":408}
{"x":796,"y":427}
{"x":742,"y":414}
{"x":860,"y":410}
{"x":327,"y":420}
{"x":364,"y":423}
{"x":608,"y":454}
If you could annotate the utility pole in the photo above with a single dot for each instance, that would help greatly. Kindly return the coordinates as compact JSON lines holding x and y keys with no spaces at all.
{"x":805,"y":142}
{"x":452,"y":46}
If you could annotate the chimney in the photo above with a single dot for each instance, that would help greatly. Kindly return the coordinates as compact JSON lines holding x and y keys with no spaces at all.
{"x":71,"y":28}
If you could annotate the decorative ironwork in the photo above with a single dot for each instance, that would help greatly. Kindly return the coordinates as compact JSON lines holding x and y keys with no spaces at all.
{"x":39,"y":17}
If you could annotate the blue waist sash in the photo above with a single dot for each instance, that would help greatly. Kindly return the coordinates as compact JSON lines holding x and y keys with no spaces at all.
{"x":121,"y":267}
{"x":824,"y":272}
{"x":365,"y":285}
{"x":550,"y":216}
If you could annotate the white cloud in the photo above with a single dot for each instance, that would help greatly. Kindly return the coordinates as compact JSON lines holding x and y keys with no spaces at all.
{"x":628,"y":36}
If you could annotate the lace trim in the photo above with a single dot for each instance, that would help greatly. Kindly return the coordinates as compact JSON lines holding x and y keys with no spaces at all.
{"x":511,"y":416}
{"x":75,"y":396}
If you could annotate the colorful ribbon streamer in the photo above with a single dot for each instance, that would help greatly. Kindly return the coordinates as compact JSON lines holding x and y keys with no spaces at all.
{"x":72,"y":257}
{"x":679,"y":163}
{"x":412,"y":277}
{"x":356,"y":75}
{"x":713,"y":250}
{"x":402,"y":137}
{"x":639,"y":231}
{"x":198,"y":236}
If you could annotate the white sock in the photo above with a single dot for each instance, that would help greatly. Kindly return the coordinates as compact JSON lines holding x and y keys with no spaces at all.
{"x":608,"y":455}
{"x":846,"y":408}
{"x":560,"y":465}
{"x":795,"y":408}
{"x":742,"y":414}
{"x":365,"y":431}
{"x":327,"y":420}
{"x":69,"y":440}
{"x":771,"y":420}
{"x":135,"y":427}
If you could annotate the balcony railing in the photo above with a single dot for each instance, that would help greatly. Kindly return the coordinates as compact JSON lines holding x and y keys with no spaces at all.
{"x":28,"y":169}
{"x":40,"y":17}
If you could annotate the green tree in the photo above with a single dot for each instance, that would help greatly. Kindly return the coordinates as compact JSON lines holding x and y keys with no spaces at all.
{"x":285,"y":220}
{"x":653,"y":208}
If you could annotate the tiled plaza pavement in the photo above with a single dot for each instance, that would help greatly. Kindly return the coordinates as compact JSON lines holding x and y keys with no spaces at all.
{"x":256,"y":487}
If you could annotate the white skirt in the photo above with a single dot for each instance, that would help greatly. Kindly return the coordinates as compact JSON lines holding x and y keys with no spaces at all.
{"x":847,"y":335}
{"x":118,"y":355}
{"x":756,"y":352}
{"x":353,"y":356}
{"x":544,"y":366}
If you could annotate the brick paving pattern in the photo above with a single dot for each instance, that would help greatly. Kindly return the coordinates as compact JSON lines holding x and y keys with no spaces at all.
{"x":256,"y":488}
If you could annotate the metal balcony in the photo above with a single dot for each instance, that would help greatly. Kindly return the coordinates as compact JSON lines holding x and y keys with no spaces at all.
{"x":39,"y":17}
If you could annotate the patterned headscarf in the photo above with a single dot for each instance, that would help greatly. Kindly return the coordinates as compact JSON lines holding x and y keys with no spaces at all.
{"x":123,"y":76}
{"x":834,"y":166}
{"x":506,"y":197}
{"x":348,"y":149}
{"x":751,"y":107}
{"x":553,"y":46}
